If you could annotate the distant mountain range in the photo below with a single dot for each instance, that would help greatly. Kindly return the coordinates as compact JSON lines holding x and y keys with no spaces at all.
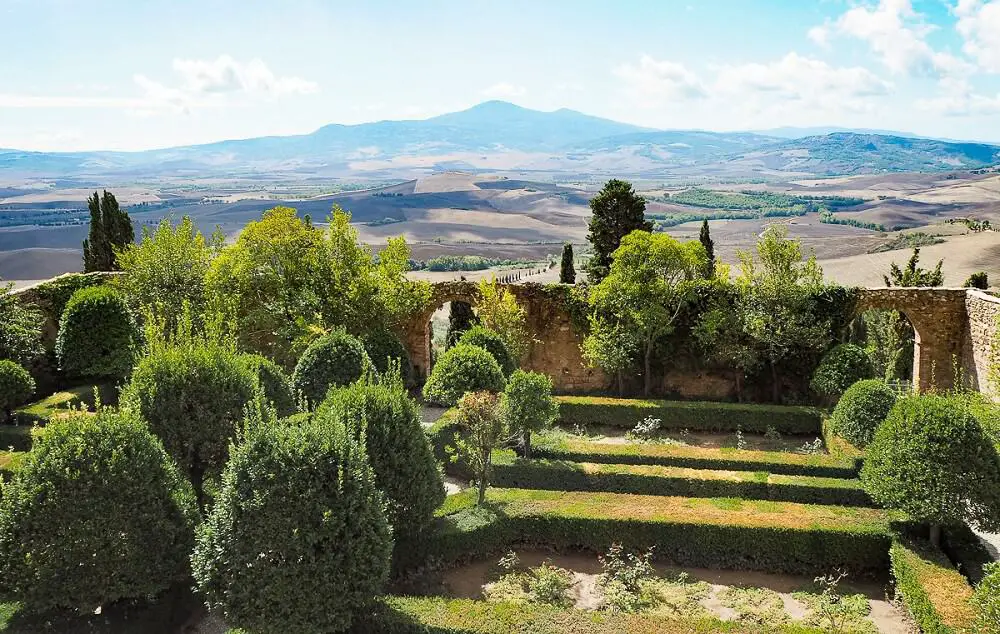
{"x":499,"y":136}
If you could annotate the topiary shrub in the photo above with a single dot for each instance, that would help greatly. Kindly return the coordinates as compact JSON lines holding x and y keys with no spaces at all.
{"x":16,"y":387}
{"x":986,"y":600}
{"x":98,"y":335}
{"x":842,"y":367}
{"x":96,"y":513}
{"x":384,"y":349}
{"x":193,"y":396}
{"x":277,"y":385}
{"x":462,"y":368}
{"x":387,"y":420}
{"x":528,"y":405}
{"x":297,"y":502}
{"x":862,"y":409}
{"x":336,"y":358}
{"x":931,"y":459}
{"x":491,"y":342}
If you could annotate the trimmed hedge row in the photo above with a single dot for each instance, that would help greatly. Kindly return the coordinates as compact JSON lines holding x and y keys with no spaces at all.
{"x":841,"y":448}
{"x":424,"y":615}
{"x":564,"y":475}
{"x":691,"y":415}
{"x":711,"y":533}
{"x":936,"y":595}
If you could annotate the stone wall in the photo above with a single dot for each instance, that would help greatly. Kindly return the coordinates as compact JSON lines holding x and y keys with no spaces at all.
{"x":983,"y":311}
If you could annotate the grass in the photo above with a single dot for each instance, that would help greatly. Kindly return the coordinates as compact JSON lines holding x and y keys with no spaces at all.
{"x":755,"y":606}
{"x":935,"y":594}
{"x":52,"y":406}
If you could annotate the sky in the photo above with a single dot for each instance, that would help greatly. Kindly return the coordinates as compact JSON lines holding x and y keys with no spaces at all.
{"x":131,"y":74}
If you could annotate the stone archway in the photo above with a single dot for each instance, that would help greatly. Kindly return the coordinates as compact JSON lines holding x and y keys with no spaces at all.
{"x":418,"y":333}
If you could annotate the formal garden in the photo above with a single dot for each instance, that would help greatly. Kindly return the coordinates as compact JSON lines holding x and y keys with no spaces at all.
{"x":232,"y":438}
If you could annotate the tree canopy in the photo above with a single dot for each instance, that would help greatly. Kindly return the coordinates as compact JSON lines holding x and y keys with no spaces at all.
{"x":617,"y":211}
{"x":110,"y":231}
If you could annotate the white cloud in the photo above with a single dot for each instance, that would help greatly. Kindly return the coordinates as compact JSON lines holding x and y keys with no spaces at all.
{"x":820,"y":35}
{"x":226,"y":75}
{"x":798,"y":77}
{"x":653,"y":82}
{"x":979,"y":25}
{"x":958,"y":99}
{"x":503,"y":90}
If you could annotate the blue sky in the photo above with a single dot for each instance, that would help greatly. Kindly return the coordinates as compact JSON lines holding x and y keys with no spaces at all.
{"x":131,"y":74}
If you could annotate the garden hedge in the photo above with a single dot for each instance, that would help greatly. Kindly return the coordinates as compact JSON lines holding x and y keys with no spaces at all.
{"x":711,"y":533}
{"x":936,"y":595}
{"x":98,"y":337}
{"x":691,"y":415}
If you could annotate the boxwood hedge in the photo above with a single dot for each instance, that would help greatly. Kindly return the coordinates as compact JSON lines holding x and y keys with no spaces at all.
{"x":691,"y":415}
{"x":936,"y":595}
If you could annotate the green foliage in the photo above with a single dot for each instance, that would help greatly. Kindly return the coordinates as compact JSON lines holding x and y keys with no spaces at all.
{"x":528,"y":405}
{"x":720,"y":332}
{"x":276,"y":385}
{"x":934,"y":593}
{"x":986,"y":601}
{"x":567,"y":273}
{"x":862,"y":409}
{"x":460,"y":318}
{"x":617,"y":211}
{"x":110,"y":230}
{"x":500,"y":312}
{"x":484,"y":338}
{"x":745,"y":205}
{"x":484,"y":429}
{"x":469,"y":263}
{"x":167,"y":269}
{"x":843,"y":366}
{"x":192,"y":391}
{"x":705,"y":237}
{"x":20,"y":329}
{"x":297,"y":502}
{"x":463,"y":369}
{"x":931,"y":459}
{"x":611,"y":347}
{"x":386,"y":350}
{"x":16,"y":386}
{"x":828,"y":218}
{"x":888,"y":340}
{"x":98,"y":335}
{"x":334,"y":359}
{"x":912,"y":275}
{"x":979,"y":279}
{"x":907,"y":240}
{"x":625,"y":578}
{"x":381,"y":416}
{"x":96,"y":513}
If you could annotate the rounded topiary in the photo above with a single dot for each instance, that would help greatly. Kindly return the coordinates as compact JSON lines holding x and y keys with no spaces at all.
{"x":98,"y":335}
{"x":297,"y":503}
{"x":96,"y":513}
{"x":387,"y":420}
{"x":462,"y":368}
{"x":336,"y":358}
{"x":842,"y":367}
{"x":16,"y":387}
{"x":932,"y":460}
{"x":384,"y":349}
{"x":862,"y":409}
{"x":193,"y":397}
{"x":276,"y":384}
{"x":491,"y":342}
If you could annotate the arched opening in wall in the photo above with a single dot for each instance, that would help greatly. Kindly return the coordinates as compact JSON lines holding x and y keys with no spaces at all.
{"x":444,"y":327}
{"x":891,"y":340}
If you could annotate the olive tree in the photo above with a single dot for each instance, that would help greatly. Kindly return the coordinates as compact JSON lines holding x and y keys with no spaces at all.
{"x":484,"y":428}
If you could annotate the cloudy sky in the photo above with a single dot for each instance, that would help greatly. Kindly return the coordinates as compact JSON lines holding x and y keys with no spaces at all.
{"x":130,"y":74}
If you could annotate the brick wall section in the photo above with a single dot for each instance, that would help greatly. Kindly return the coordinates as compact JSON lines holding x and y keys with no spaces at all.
{"x":983,"y":311}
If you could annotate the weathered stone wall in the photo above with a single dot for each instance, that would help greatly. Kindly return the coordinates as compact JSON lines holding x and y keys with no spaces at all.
{"x":983,"y":311}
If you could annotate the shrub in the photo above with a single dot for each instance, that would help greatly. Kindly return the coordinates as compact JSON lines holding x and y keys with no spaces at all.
{"x":862,"y":409}
{"x":934,"y":593}
{"x":20,"y":329}
{"x":193,"y":396}
{"x":986,"y":600}
{"x":16,"y":387}
{"x":383,"y":416}
{"x":484,"y":430}
{"x":96,"y":513}
{"x":384,"y":348}
{"x":490,"y":342}
{"x":98,"y":335}
{"x":296,"y":503}
{"x":842,"y":367}
{"x":979,"y":279}
{"x":931,"y":459}
{"x":336,"y":358}
{"x":528,"y":405}
{"x":462,"y":369}
{"x":277,"y":386}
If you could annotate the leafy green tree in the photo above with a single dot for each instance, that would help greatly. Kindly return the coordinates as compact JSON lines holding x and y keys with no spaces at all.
{"x":166,"y":270}
{"x":484,"y":429}
{"x":335,"y":359}
{"x":650,"y":280}
{"x":887,"y":338}
{"x":20,"y":328}
{"x":567,"y":273}
{"x":297,"y":502}
{"x":611,"y":347}
{"x":843,"y":366}
{"x":617,"y":211}
{"x":932,"y":460}
{"x":96,"y":513}
{"x":381,"y":415}
{"x":705,"y":237}
{"x":484,"y":338}
{"x":110,"y":231}
{"x":721,"y":335}
{"x":528,"y":405}
{"x":462,"y":369}
{"x":98,"y":337}
{"x":912,"y":275}
{"x":500,"y":312}
{"x":461,"y":317}
{"x":16,"y":387}
{"x":778,"y":285}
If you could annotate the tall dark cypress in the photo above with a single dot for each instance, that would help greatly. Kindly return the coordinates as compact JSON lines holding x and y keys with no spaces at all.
{"x":617,"y":211}
{"x":567,"y":274}
{"x":709,"y":244}
{"x":461,"y":317}
{"x":110,"y":228}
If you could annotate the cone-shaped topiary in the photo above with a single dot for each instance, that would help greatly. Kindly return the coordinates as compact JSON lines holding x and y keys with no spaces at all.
{"x":298,"y":505}
{"x":841,"y":367}
{"x":463,"y":368}
{"x":96,"y":513}
{"x":276,"y":384}
{"x":491,"y":342}
{"x":16,"y":387}
{"x":334,"y":359}
{"x":862,"y":409}
{"x":98,"y":335}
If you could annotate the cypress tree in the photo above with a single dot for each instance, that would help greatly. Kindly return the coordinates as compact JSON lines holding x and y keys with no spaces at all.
{"x":110,"y":228}
{"x":460,"y":318}
{"x":709,"y":244}
{"x":617,"y":212}
{"x":567,"y":274}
